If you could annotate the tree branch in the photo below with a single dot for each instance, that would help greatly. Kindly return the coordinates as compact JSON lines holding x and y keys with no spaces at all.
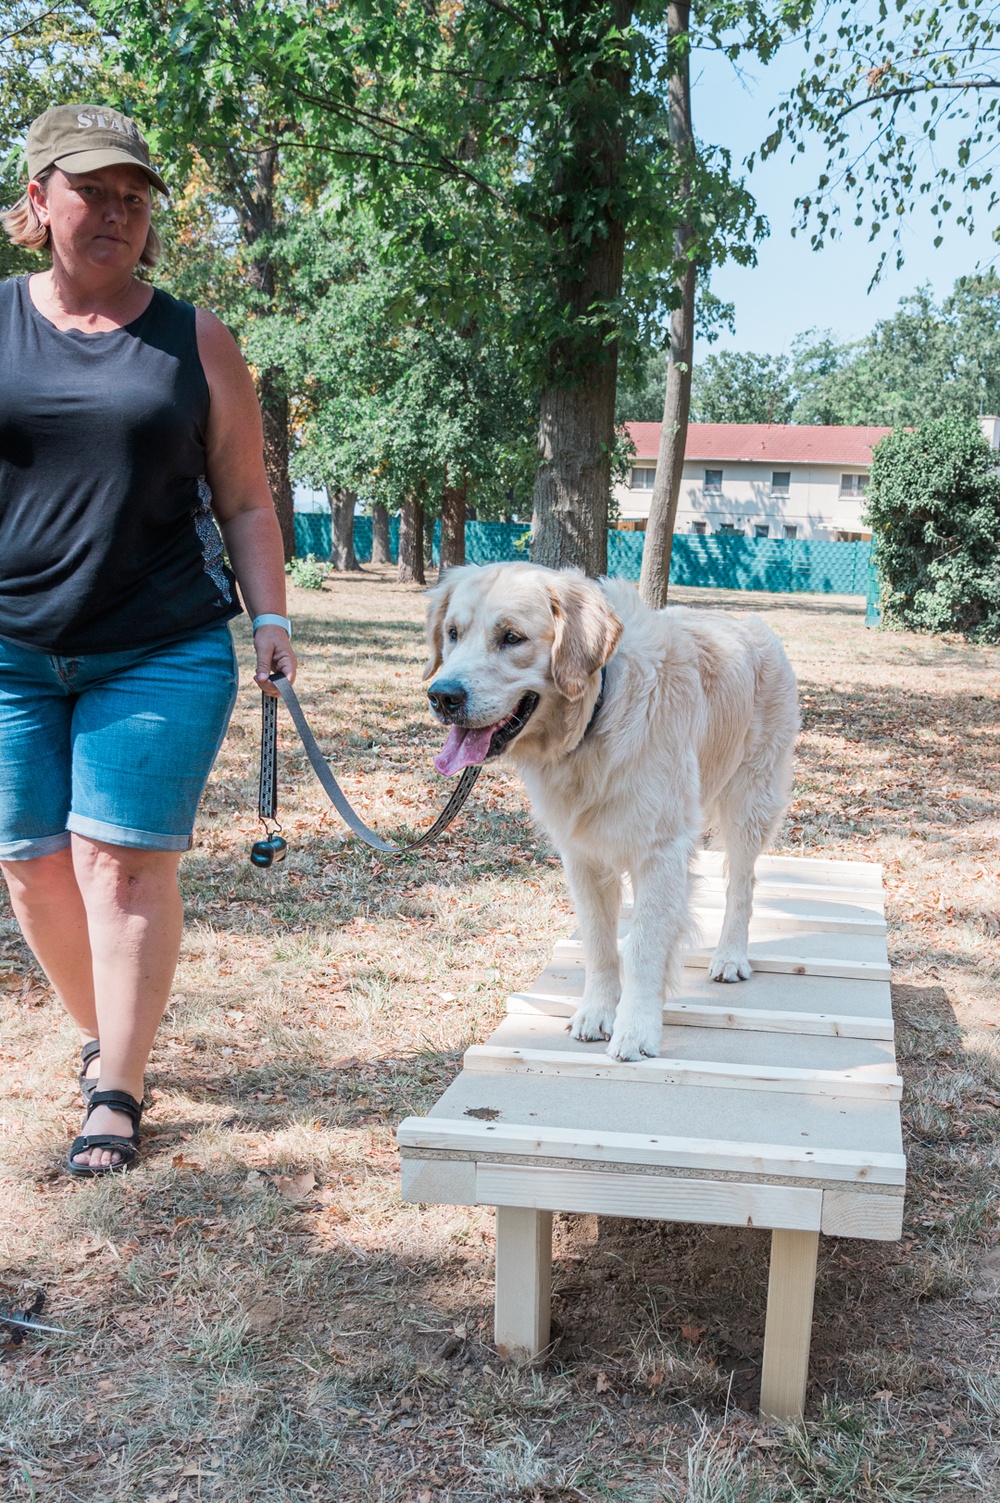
{"x":28,"y":25}
{"x":923,"y":88}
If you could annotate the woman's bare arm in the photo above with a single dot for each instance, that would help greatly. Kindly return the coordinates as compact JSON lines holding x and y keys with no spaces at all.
{"x":241,"y":497}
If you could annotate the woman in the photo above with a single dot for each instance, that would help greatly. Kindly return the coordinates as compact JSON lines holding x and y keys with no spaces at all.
{"x":127,"y":419}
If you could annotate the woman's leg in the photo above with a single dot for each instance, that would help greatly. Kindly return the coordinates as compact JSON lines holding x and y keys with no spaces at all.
{"x":49,"y":908}
{"x":134,"y":917}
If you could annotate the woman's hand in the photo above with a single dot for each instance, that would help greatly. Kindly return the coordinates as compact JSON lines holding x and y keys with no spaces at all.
{"x":274,"y":655}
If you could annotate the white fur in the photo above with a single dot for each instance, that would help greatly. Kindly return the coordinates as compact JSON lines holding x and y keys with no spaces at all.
{"x":696,"y":733}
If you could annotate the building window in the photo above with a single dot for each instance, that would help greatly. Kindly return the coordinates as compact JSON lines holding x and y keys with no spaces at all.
{"x":790,"y":530}
{"x":852,"y":485}
{"x":642,"y":479}
{"x":713,"y":482}
{"x":699,"y":528}
{"x":781,"y":482}
{"x":728,"y":527}
{"x":761,"y":530}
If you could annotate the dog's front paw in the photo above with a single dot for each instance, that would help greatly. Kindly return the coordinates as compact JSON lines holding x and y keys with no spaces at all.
{"x":593,"y":1020}
{"x":728,"y":965}
{"x":635,"y":1037}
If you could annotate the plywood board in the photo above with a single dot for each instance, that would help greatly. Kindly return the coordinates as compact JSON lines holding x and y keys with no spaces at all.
{"x":688,"y":1152}
{"x":872,"y":898}
{"x":793,"y":913}
{"x":690,"y":1045}
{"x":855,"y":956}
{"x":868,"y":1082}
{"x":560,"y":986}
{"x":601,"y":1107}
{"x":752,"y":1020}
{"x":815,"y":871}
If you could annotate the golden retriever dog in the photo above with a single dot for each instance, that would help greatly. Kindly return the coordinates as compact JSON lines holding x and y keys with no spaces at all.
{"x":635,"y":731}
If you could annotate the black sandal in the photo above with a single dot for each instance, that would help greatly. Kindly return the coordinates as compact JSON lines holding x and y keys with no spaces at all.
{"x":119,"y":1101}
{"x":88,"y":1085}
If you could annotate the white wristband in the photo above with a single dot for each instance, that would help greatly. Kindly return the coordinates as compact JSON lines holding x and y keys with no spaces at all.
{"x":270,"y":620}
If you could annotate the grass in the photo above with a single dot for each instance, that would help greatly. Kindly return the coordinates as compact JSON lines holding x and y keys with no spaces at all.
{"x":255,"y":1313}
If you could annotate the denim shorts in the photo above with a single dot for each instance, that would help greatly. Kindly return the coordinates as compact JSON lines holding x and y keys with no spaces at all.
{"x":116,"y":746}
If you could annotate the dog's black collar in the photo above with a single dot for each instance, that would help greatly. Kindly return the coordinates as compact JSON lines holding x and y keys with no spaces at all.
{"x":597,"y":704}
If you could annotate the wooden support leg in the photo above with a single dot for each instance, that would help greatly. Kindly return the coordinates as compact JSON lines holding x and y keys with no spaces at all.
{"x":789,"y":1324}
{"x":523,"y":1282}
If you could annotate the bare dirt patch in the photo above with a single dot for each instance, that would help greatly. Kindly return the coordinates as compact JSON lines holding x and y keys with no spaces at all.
{"x":256,"y":1314}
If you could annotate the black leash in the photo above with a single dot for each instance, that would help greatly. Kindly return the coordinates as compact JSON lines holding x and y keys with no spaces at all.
{"x":274,"y":847}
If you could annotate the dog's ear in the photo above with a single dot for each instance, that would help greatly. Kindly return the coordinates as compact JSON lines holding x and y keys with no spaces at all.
{"x":587,"y":632}
{"x":437,"y":608}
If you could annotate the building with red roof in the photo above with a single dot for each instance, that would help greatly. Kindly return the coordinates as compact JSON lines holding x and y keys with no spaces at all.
{"x":759,"y":479}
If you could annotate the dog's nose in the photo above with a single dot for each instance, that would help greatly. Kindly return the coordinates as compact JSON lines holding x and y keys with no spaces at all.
{"x":448,"y":699}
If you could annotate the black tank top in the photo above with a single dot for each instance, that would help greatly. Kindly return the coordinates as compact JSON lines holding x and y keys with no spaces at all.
{"x":107,"y":541}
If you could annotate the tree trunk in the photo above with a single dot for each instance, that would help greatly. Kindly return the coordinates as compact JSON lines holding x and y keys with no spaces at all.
{"x":254,"y":202}
{"x":274,"y":413}
{"x":342,"y":503}
{"x":576,"y":427}
{"x":428,"y":542}
{"x":654,"y":580}
{"x":411,"y":543}
{"x":453,"y":507}
{"x":381,"y":553}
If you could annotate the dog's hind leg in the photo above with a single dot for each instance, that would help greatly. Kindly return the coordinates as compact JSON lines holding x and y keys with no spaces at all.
{"x":597,"y":893}
{"x":746,"y":813}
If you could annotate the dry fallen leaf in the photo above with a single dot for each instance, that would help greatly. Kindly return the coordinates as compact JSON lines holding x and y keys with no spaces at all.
{"x":693,"y":1333}
{"x":180,"y":1162}
{"x":295,"y":1186}
{"x":603,"y":1382}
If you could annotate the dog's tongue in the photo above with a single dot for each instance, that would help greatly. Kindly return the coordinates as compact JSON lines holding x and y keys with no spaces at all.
{"x":463,"y":748}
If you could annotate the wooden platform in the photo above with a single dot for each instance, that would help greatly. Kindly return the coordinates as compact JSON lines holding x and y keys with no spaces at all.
{"x":774,"y":1103}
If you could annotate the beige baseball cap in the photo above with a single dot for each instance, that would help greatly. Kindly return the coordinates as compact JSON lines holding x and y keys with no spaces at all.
{"x":84,"y":137}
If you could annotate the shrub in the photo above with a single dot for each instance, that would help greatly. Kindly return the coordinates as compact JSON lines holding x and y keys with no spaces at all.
{"x":933,"y":505}
{"x":308,"y":573}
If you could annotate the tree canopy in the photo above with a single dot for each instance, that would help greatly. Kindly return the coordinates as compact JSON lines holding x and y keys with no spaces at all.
{"x":731,"y":387}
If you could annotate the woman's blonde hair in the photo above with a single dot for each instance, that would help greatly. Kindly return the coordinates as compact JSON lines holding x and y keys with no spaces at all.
{"x":24,"y":227}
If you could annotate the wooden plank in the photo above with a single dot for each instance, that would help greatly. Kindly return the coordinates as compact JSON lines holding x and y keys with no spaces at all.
{"x":650,"y":1197}
{"x":752,"y":1019}
{"x":788,"y":1329}
{"x":816,"y":871}
{"x":877,"y":1082}
{"x":521,"y":1309}
{"x":807,"y":965}
{"x":868,"y":897}
{"x":777,"y":918}
{"x":439,"y":1182}
{"x":832,"y":995}
{"x":783,"y":965}
{"x":543,"y":1141}
{"x":877,"y":1218}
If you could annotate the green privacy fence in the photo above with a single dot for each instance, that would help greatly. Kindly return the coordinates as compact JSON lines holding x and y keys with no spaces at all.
{"x":722,"y":562}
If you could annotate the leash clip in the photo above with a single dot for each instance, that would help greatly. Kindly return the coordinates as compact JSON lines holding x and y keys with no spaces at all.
{"x":269,"y":850}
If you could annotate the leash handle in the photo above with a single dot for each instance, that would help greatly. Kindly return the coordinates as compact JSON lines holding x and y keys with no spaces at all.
{"x":272,"y":848}
{"x":267,"y":798}
{"x":336,"y":794}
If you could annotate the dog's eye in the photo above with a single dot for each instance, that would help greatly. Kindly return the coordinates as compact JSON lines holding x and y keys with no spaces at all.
{"x":453,"y":634}
{"x":511,"y":639}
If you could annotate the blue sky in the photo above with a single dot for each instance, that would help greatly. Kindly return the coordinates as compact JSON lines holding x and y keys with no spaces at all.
{"x":793,"y":287}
